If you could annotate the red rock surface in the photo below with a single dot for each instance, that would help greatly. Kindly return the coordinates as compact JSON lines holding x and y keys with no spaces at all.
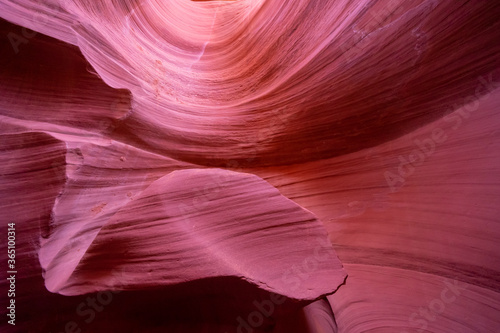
{"x":189,"y":166}
{"x":193,"y":224}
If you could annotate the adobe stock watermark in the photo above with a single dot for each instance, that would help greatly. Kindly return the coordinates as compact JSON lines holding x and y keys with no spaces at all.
{"x":119,"y":109}
{"x":426,"y":146}
{"x":379,"y":202}
{"x":292,"y":278}
{"x":17,"y":39}
{"x":436,"y":307}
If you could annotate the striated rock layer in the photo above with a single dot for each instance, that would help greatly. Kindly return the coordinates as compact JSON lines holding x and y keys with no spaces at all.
{"x":190,"y":166}
{"x":336,"y":72}
{"x":194,"y":224}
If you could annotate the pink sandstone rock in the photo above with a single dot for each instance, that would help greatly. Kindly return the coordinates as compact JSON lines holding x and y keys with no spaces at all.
{"x":190,"y":225}
{"x":174,"y":166}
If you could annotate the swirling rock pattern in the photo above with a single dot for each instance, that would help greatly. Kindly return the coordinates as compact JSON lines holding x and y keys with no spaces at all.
{"x":184,"y":235}
{"x":190,"y":166}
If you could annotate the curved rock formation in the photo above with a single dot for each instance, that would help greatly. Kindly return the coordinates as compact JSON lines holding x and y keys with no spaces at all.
{"x":190,"y":166}
{"x":193,"y":224}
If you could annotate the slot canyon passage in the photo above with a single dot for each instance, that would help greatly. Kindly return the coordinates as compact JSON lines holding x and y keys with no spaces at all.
{"x":250,"y":166}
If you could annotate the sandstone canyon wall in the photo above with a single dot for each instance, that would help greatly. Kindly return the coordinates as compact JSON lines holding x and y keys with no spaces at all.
{"x":250,"y":166}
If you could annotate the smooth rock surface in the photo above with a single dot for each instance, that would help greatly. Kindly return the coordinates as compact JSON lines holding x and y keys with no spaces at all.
{"x":181,"y":165}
